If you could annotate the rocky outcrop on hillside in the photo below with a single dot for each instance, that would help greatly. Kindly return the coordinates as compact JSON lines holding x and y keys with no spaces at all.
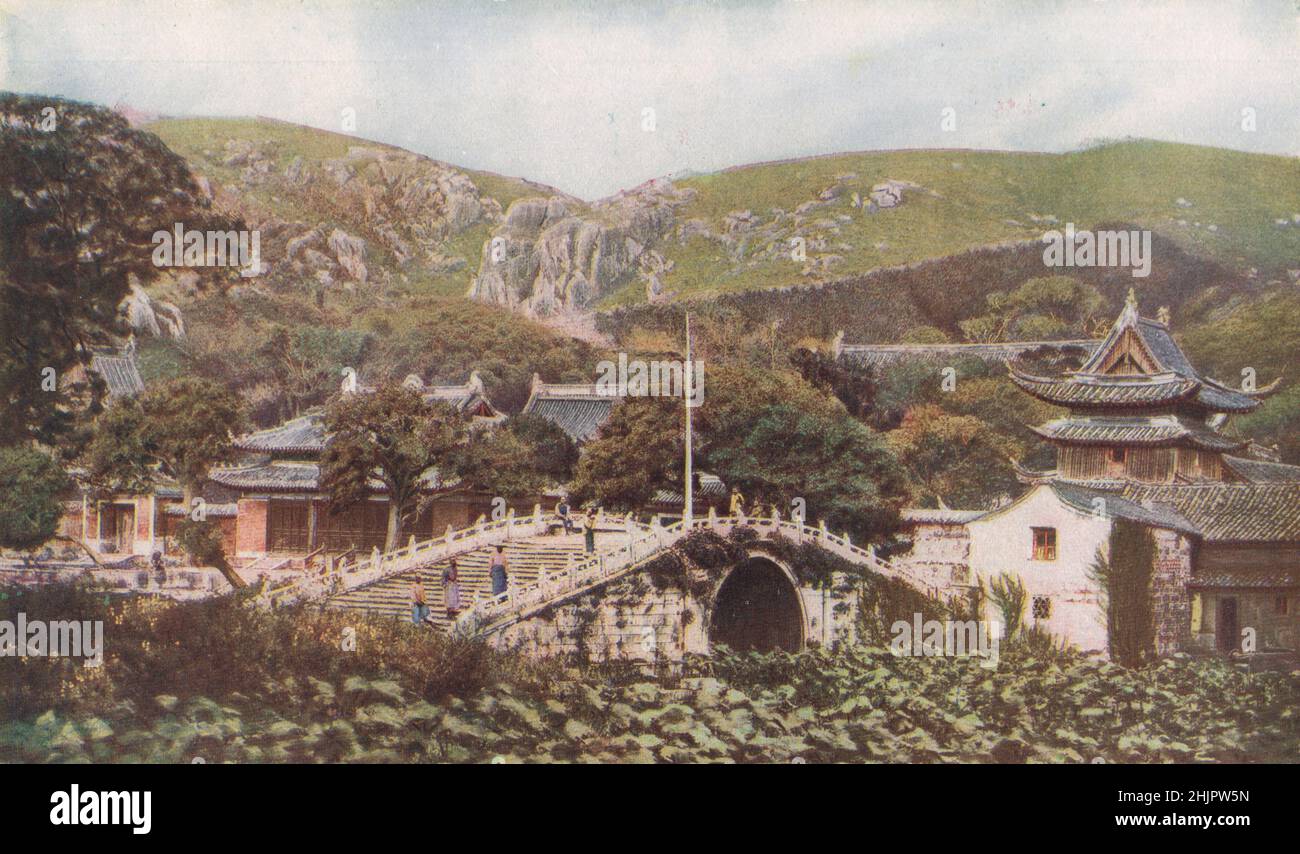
{"x":554,"y":255}
{"x":380,"y":209}
{"x":148,"y":316}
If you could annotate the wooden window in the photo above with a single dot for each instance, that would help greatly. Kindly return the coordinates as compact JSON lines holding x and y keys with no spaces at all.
{"x":362,"y":526}
{"x":1117,"y":455}
{"x":1042,"y":607}
{"x":1044,"y":543}
{"x":1280,"y":606}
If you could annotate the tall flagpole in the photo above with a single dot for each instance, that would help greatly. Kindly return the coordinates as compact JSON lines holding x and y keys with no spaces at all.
{"x":688,"y":374}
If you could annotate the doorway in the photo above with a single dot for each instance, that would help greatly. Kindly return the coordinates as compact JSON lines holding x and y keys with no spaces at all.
{"x":1227,"y":632}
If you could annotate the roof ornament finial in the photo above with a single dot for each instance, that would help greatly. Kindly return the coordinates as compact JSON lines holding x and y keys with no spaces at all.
{"x":1162,"y":315}
{"x":1130,"y":313}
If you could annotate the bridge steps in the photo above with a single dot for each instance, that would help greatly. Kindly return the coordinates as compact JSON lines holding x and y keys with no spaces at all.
{"x":391,"y":596}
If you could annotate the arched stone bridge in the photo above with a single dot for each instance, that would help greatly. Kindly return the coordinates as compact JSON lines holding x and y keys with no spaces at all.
{"x":608,"y":605}
{"x":756,"y":601}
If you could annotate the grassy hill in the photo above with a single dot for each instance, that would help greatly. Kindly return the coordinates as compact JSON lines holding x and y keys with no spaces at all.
{"x":206,"y":143}
{"x":1230,"y":204}
{"x":1227,"y":242}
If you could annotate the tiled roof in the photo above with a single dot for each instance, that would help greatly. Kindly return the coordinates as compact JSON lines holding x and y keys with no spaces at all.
{"x":274,"y":477}
{"x":578,"y":409}
{"x":709,"y":486}
{"x":1255,"y":579}
{"x":1153,"y":513}
{"x":1156,"y":430}
{"x":469,"y":396}
{"x":937,"y":516}
{"x":1154,"y":337}
{"x":119,"y":371}
{"x":304,"y":434}
{"x":1254,"y":512}
{"x":278,"y":476}
{"x":1262,"y":471}
{"x":878,"y":355}
{"x":1080,"y":393}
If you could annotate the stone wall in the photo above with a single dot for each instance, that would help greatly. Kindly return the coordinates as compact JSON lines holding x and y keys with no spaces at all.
{"x":939,"y":551}
{"x":628,"y":619}
{"x":1172,"y":601}
{"x":632,"y":619}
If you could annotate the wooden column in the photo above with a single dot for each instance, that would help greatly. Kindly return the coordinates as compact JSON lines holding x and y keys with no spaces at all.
{"x":311,"y":525}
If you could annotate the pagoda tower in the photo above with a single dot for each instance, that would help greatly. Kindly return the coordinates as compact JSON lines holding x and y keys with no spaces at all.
{"x":1139,"y":411}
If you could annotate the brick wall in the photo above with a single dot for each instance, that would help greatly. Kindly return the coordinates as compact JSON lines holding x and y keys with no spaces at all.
{"x":250,"y":529}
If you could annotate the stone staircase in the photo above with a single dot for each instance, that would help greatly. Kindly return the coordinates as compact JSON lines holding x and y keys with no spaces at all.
{"x":391,"y":596}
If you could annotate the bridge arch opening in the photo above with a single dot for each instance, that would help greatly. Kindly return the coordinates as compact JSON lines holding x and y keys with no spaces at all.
{"x":757,"y":608}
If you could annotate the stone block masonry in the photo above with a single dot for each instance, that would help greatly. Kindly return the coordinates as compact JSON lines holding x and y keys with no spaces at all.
{"x":1172,"y":601}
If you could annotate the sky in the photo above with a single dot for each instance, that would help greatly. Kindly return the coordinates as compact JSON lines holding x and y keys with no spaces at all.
{"x":594,"y":97}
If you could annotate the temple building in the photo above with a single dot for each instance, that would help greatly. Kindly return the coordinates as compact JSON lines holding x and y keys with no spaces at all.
{"x":1139,"y":411}
{"x":279,"y":508}
{"x":124,"y":523}
{"x":1145,"y":439}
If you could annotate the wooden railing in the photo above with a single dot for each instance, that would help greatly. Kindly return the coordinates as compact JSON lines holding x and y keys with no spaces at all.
{"x":347,"y":574}
{"x":492,"y":613}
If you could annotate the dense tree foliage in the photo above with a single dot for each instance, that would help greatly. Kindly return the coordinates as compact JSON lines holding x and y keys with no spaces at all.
{"x":29,"y":502}
{"x":518,"y":459}
{"x":638,"y":451}
{"x":396,"y":437}
{"x":181,"y":428}
{"x":954,"y":459}
{"x":81,"y":194}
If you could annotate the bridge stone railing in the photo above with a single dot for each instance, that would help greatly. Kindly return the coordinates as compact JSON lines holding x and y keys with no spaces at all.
{"x":491,"y":613}
{"x":349,"y":575}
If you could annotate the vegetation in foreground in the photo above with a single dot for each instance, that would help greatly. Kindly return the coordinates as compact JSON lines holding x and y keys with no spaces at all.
{"x":221,"y":682}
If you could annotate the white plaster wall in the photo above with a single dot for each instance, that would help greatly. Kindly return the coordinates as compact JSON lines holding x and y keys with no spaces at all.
{"x":1003,"y":542}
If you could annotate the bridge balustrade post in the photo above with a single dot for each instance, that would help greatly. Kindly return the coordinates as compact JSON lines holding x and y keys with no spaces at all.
{"x":821,"y":529}
{"x":374,"y":557}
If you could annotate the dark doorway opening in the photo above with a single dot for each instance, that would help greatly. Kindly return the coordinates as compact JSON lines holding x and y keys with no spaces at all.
{"x":1227,"y":633}
{"x":757,"y":608}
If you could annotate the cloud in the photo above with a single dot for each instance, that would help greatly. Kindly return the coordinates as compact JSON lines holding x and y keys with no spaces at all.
{"x":558,"y":92}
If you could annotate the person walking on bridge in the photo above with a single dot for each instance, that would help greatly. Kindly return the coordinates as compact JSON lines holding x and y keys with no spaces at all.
{"x":498,"y":572}
{"x":737,"y":502}
{"x":419,"y":607}
{"x":451,"y":589}
{"x":589,"y":532}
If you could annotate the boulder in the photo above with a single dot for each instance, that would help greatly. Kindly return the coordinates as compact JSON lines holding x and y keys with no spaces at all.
{"x":158,"y":318}
{"x":350,"y":253}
